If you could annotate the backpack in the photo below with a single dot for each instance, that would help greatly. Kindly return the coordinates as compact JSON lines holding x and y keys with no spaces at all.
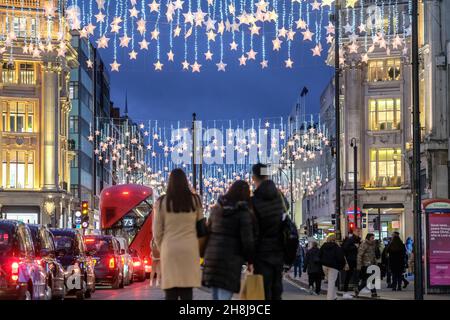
{"x":290,"y":240}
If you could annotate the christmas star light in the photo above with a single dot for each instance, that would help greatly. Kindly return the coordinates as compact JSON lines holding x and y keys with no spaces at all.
{"x":158,"y":66}
{"x":208,"y":55}
{"x":124,"y":41}
{"x":102,"y":42}
{"x":185,"y":65}
{"x":196,"y":67}
{"x":144,"y":44}
{"x":115,"y":66}
{"x":133,"y":55}
{"x":233,"y":45}
{"x":221,"y":66}
{"x":251,"y":54}
{"x":133,"y":12}
{"x":276,"y":44}
{"x":289,"y":63}
{"x":307,"y":35}
{"x":154,"y":6}
{"x":350,"y":3}
{"x":170,"y":55}
{"x":242,"y":60}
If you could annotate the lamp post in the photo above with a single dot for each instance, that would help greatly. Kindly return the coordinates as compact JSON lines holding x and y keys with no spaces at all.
{"x":417,"y":196}
{"x":337,"y":6}
{"x":355,"y":179}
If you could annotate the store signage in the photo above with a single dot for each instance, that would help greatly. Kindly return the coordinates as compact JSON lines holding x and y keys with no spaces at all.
{"x":438,"y":249}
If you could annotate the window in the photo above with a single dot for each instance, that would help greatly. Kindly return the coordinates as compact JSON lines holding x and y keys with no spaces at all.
{"x":385,"y":167}
{"x":18,"y":169}
{"x":9,"y":73}
{"x":20,"y":26}
{"x":73,"y":124}
{"x":384,"y":114}
{"x":18,"y":116}
{"x":26,"y":73}
{"x":384,"y":70}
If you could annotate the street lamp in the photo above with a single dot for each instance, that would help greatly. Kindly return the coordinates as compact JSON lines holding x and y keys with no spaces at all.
{"x":355,"y":179}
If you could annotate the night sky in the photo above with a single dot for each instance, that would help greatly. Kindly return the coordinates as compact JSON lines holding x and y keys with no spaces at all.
{"x":240,"y":93}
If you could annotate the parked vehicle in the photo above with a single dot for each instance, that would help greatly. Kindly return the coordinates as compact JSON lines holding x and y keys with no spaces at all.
{"x":45,"y":250}
{"x":78,"y":267}
{"x":105,"y":253}
{"x":21,"y":277}
{"x":138,"y":266}
{"x":127,"y":261}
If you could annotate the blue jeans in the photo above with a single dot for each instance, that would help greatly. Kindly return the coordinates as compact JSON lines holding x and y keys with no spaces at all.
{"x":221,"y":294}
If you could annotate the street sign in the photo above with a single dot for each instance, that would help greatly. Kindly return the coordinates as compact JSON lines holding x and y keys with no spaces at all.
{"x":78,"y":220}
{"x":77,"y":213}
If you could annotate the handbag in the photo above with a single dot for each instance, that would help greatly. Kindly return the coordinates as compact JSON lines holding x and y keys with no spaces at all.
{"x":202,"y":235}
{"x":252,"y":287}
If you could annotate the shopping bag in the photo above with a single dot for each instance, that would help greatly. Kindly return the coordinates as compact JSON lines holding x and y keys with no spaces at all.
{"x":252,"y":287}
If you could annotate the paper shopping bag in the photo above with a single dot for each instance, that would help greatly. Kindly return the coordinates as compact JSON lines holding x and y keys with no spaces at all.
{"x":252,"y":287}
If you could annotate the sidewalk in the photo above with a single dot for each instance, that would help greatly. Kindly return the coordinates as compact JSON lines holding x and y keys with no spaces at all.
{"x":383,"y":294}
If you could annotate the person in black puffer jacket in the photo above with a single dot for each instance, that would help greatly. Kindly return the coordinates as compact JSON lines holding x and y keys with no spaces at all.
{"x":269,"y":205}
{"x":333,"y":260}
{"x":230,"y":243}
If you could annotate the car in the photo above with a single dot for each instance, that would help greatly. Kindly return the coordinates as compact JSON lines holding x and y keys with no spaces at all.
{"x":78,"y":266}
{"x":45,"y":249}
{"x":138,"y":266}
{"x":127,"y":261}
{"x":105,"y":252}
{"x":21,"y":276}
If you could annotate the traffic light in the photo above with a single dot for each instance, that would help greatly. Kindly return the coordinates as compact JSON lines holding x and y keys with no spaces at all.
{"x":315,"y":228}
{"x":84,"y":214}
{"x":351,"y":227}
{"x":333,"y":219}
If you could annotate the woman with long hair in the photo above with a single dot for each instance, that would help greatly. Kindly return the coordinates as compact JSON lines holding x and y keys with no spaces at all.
{"x":175,"y":234}
{"x":230,"y":243}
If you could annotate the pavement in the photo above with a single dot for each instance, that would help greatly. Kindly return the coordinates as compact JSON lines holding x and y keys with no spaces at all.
{"x":143,"y":291}
{"x":384,"y":293}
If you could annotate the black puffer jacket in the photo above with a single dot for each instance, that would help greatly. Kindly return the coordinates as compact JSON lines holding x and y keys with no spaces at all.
{"x":230,"y":245}
{"x":312,"y":261}
{"x":332,"y":256}
{"x":269,"y":208}
{"x":350,"y":247}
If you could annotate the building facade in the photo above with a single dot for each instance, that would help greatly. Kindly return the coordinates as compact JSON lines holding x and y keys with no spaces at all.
{"x":90,"y":97}
{"x":35,"y":104}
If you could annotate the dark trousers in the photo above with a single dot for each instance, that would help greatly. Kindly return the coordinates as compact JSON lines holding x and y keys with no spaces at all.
{"x":397,"y":278}
{"x":315,"y":280}
{"x":178,"y":294}
{"x":272,"y":275}
{"x":298,"y":268}
{"x":350,"y":275}
{"x":363,"y":276}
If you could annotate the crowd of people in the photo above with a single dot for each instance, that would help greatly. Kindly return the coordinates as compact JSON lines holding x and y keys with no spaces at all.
{"x":244,"y":228}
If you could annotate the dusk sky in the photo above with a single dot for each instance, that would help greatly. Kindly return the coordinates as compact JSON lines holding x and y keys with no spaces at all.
{"x":239,"y":93}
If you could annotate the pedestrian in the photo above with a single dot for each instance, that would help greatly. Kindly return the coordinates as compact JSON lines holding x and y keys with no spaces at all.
{"x":298,"y":263}
{"x":385,"y":270}
{"x":332,"y":260}
{"x":269,"y":205}
{"x":397,"y":261}
{"x":175,"y":233}
{"x":313,"y":267}
{"x":366,"y":258}
{"x":350,"y":246}
{"x":230,"y":243}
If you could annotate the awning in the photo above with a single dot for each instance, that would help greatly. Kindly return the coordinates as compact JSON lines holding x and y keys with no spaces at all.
{"x":383,"y":206}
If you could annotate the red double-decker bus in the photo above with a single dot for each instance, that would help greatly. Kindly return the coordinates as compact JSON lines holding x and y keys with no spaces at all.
{"x":126,"y":211}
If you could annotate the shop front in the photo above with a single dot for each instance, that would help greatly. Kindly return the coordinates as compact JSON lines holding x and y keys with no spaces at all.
{"x":26,"y":214}
{"x":384,"y":219}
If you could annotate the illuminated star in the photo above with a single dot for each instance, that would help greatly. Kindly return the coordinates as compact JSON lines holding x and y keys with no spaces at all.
{"x":289,"y":63}
{"x":144,"y":44}
{"x":307,"y":35}
{"x":158,"y":66}
{"x":133,"y":55}
{"x":90,"y":28}
{"x":89,"y":63}
{"x":232,"y":9}
{"x":185,"y":65}
{"x":276,"y":44}
{"x":211,"y":35}
{"x":102,"y":42}
{"x":282,"y":32}
{"x":141,"y":26}
{"x":353,"y":48}
{"x":262,"y":5}
{"x":348,"y":28}
{"x":178,"y":4}
{"x":124,"y":41}
{"x":251,"y":54}
{"x":350,"y":3}
{"x":264,"y":64}
{"x":176,"y":31}
{"x":115,"y":66}
{"x":301,"y":24}
{"x":221,"y":66}
{"x":115,"y":28}
{"x":154,"y":6}
{"x":133,"y":12}
{"x":233,"y":45}
{"x":188,"y":17}
{"x":208,"y":55}
{"x":330,"y":28}
{"x":155,"y":34}
{"x":210,"y":24}
{"x":365,"y":58}
{"x":362,"y":28}
{"x":220,"y":27}
{"x":317,"y":50}
{"x":290,"y":35}
{"x":330,"y":39}
{"x":254,"y":29}
{"x":315,"y":5}
{"x":170,"y":55}
{"x":100,"y":17}
{"x":100,"y":4}
{"x":242,"y":60}
{"x":199,"y":17}
{"x":196,"y":67}
{"x":327,"y":3}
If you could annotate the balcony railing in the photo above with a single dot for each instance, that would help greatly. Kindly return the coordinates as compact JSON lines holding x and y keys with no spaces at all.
{"x":385,"y":182}
{"x":22,"y":3}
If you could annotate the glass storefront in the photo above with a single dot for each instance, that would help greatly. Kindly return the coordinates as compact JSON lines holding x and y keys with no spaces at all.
{"x":383,"y":222}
